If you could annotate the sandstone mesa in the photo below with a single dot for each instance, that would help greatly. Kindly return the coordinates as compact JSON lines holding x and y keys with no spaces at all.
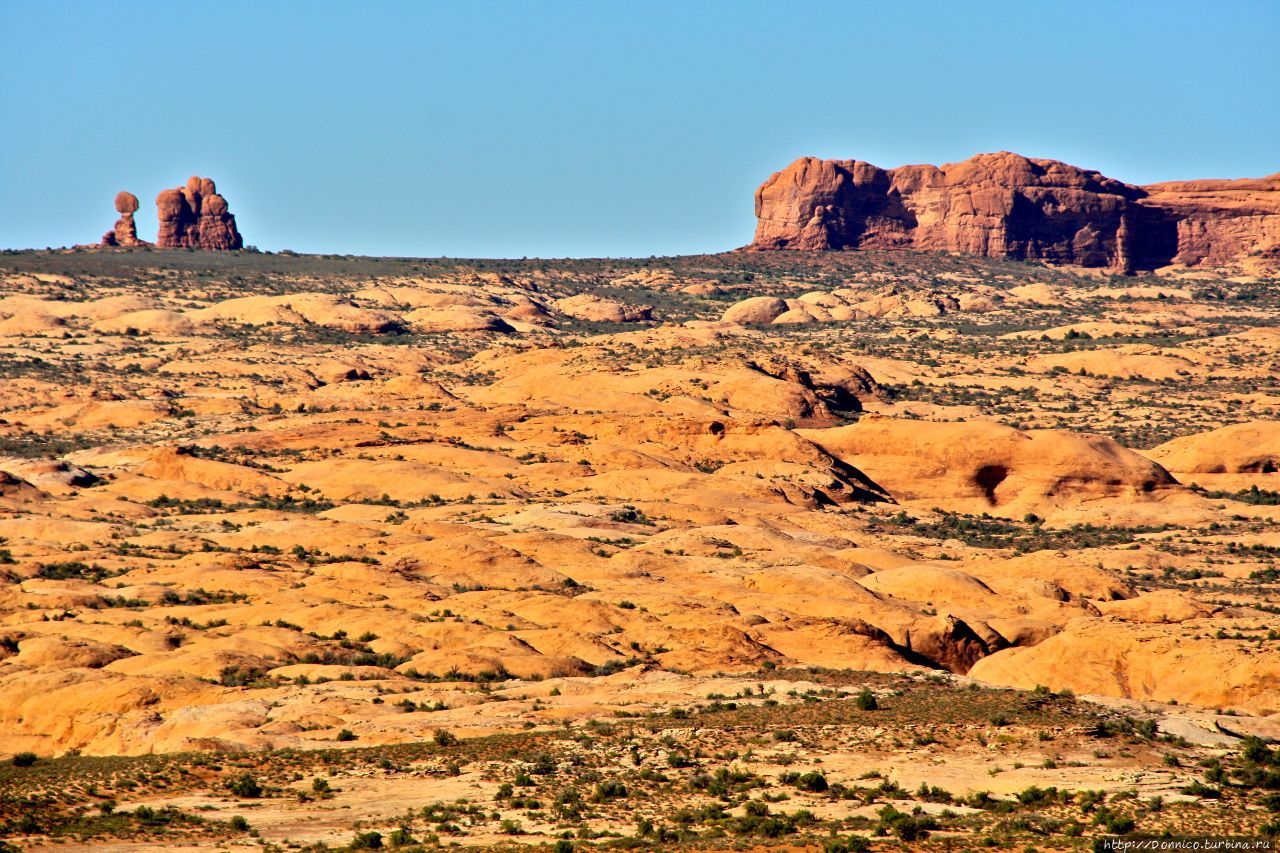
{"x":1005,"y":205}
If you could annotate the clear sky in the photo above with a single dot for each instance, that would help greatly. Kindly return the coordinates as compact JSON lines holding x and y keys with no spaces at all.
{"x":505,"y":129}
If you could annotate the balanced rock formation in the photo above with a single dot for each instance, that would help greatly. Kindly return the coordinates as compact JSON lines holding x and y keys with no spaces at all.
{"x":195,"y":216}
{"x":125,"y":232}
{"x":1006,"y":205}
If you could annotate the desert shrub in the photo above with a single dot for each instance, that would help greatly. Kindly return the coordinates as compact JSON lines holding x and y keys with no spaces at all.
{"x":905,"y":826}
{"x":1203,"y":791}
{"x":813,"y":781}
{"x":367,"y":841}
{"x":1113,"y":823}
{"x":610,"y":789}
{"x":245,"y":785}
{"x":1256,"y":751}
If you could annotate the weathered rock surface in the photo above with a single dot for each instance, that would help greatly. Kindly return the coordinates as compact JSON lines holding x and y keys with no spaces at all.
{"x":1135,"y":660}
{"x":1005,"y":205}
{"x":987,"y":467}
{"x":844,"y":304}
{"x":596,"y":309}
{"x":195,"y":216}
{"x":267,"y":508}
{"x":755,"y":310}
{"x":1248,"y":448}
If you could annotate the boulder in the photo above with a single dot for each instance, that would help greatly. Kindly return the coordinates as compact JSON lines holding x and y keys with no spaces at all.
{"x":758,"y":310}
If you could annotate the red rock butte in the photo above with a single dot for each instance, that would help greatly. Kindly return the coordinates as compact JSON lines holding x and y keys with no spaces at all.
{"x":1006,"y":205}
{"x":195,"y":216}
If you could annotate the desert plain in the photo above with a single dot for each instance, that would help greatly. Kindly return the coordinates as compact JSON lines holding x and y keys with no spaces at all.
{"x":805,"y":551}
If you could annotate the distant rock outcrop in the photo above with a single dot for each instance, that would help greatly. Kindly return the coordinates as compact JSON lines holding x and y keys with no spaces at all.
{"x":1005,"y":205}
{"x":596,"y":309}
{"x":195,"y":216}
{"x":125,"y":232}
{"x":755,"y":310}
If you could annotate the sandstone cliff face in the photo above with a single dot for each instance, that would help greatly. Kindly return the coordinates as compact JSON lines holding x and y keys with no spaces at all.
{"x":195,"y":216}
{"x":1219,"y":221}
{"x":1005,"y":205}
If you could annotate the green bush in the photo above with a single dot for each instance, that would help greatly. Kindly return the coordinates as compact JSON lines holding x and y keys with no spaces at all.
{"x":1256,"y":751}
{"x":610,"y":789}
{"x":245,"y":785}
{"x":367,"y":841}
{"x":1203,"y":791}
{"x":812,"y":781}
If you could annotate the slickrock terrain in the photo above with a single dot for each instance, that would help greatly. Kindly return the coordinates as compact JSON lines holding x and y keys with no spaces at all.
{"x":195,"y":216}
{"x":1008,"y":206}
{"x":800,"y":549}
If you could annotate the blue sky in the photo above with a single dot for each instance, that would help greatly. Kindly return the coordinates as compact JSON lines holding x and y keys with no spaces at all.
{"x":551,"y":129}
